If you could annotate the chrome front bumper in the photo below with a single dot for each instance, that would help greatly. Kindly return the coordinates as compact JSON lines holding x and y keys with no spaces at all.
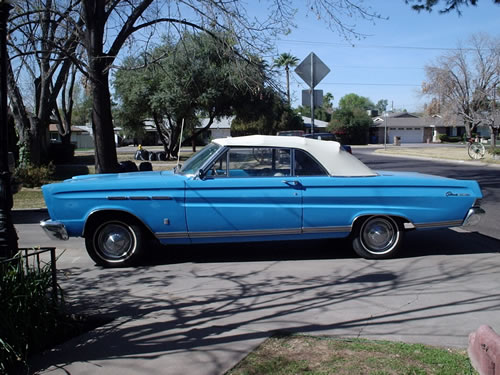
{"x":473,"y":216}
{"x":54,"y":229}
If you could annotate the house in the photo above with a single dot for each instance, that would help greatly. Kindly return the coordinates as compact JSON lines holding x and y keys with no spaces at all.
{"x":80,"y":135}
{"x":219,"y":129}
{"x":319,"y":126}
{"x":411,"y":128}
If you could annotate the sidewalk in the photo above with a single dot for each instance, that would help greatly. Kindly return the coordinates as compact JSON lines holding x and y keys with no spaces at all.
{"x":453,"y":152}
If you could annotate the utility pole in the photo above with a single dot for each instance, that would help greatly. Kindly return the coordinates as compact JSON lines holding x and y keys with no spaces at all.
{"x":8,"y":235}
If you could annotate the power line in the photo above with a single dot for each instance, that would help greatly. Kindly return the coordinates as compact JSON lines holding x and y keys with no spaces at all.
{"x":377,"y":67}
{"x":371,"y":84}
{"x":343,"y":45}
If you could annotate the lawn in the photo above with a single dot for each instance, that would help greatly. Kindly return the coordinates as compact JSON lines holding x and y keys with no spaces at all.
{"x":29,"y":198}
{"x":297,"y":354}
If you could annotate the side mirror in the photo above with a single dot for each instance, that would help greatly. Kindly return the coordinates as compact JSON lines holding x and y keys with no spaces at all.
{"x":201,"y":174}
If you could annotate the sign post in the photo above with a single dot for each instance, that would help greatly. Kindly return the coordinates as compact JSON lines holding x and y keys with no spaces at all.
{"x":312,"y":70}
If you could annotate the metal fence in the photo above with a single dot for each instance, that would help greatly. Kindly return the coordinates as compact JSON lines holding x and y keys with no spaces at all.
{"x":35,"y":260}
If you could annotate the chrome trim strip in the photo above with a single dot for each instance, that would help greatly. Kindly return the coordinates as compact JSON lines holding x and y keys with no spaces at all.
{"x":252,"y":233}
{"x":326,"y":229}
{"x":451,"y":223}
{"x":139,"y":198}
{"x":166,"y":235}
{"x":245,"y":233}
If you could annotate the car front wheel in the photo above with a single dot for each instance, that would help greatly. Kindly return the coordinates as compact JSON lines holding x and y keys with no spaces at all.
{"x":377,"y":237}
{"x":115,"y":243}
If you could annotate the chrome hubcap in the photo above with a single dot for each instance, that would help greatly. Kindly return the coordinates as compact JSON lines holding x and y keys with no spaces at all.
{"x":379,"y":235}
{"x":115,"y":241}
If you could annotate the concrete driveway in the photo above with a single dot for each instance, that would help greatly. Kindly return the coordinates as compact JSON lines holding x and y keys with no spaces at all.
{"x":201,"y":309}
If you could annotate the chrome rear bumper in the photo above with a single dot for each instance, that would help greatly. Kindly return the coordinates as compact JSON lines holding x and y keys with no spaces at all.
{"x":473,"y":216}
{"x":54,"y":229}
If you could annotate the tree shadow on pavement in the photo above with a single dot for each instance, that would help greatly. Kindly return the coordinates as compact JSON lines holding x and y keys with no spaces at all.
{"x":205,"y":313}
{"x":207,"y":306}
{"x":416,"y":244}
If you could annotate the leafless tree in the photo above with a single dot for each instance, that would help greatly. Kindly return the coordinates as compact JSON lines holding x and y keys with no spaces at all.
{"x":41,"y":43}
{"x":248,"y":32}
{"x":464,"y":80}
{"x":51,"y":32}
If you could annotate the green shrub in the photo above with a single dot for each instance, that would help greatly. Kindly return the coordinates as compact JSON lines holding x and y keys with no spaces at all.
{"x":29,"y":315}
{"x":31,"y":176}
{"x":447,"y":138}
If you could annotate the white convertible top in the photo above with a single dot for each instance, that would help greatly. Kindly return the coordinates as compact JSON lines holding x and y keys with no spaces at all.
{"x":334,"y":158}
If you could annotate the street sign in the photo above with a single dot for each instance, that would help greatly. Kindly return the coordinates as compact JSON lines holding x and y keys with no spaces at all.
{"x":318,"y":98}
{"x":312,"y":70}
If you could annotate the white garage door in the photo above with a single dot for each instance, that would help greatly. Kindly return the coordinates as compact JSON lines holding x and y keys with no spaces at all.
{"x":407,"y":135}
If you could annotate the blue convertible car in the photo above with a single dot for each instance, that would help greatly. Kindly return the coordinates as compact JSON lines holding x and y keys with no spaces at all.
{"x":256,"y":188}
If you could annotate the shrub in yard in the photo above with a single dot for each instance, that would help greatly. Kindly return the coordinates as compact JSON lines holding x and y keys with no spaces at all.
{"x":29,"y":315}
{"x":447,"y":138}
{"x":31,"y":176}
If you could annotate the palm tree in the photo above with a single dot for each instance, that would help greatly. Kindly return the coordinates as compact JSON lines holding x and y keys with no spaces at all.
{"x":286,"y":60}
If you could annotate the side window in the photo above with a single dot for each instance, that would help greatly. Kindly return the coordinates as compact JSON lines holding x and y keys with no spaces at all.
{"x":305,"y":165}
{"x":219,"y":168}
{"x":259,"y":162}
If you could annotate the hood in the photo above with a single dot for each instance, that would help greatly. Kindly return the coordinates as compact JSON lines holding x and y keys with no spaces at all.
{"x":118,"y":182}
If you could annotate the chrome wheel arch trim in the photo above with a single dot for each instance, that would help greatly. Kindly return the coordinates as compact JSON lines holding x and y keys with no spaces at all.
{"x":117,"y":211}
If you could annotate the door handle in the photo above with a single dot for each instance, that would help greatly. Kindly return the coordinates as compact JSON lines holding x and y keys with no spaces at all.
{"x":294,"y":183}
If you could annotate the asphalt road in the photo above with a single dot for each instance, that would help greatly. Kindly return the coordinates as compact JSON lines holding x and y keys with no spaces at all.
{"x":201,"y":309}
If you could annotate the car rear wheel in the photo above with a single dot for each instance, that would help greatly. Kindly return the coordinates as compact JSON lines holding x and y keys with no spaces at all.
{"x":377,"y":237}
{"x":115,"y":243}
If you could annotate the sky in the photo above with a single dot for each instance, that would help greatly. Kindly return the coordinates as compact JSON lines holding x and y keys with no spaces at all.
{"x":389,"y":62}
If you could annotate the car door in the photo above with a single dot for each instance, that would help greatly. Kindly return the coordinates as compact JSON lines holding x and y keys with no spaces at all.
{"x":326,"y":199}
{"x":247,"y":194}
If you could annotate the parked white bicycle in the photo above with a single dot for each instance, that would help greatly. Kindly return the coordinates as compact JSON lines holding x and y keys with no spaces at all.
{"x":475,"y":149}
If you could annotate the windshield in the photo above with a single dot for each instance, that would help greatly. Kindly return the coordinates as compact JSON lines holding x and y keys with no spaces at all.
{"x":195,"y":162}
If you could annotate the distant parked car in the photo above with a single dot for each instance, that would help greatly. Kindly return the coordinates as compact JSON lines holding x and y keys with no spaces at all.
{"x":288,"y":133}
{"x":328,"y":137}
{"x":256,"y":188}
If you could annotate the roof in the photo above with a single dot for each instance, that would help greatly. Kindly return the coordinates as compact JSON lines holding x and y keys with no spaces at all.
{"x":330,"y":154}
{"x":74,"y":129}
{"x":317,"y":123}
{"x":400,"y":122}
{"x":222,"y":123}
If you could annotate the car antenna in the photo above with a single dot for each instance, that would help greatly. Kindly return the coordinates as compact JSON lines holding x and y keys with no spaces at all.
{"x":180,"y":145}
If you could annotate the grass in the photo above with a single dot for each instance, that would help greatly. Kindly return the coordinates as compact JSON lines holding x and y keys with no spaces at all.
{"x":29,"y":198}
{"x":296,"y":354}
{"x":450,"y":153}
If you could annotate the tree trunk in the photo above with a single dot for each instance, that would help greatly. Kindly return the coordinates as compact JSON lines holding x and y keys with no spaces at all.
{"x":159,"y":130}
{"x":21,"y":119}
{"x":106,"y":160}
{"x":493,"y":137}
